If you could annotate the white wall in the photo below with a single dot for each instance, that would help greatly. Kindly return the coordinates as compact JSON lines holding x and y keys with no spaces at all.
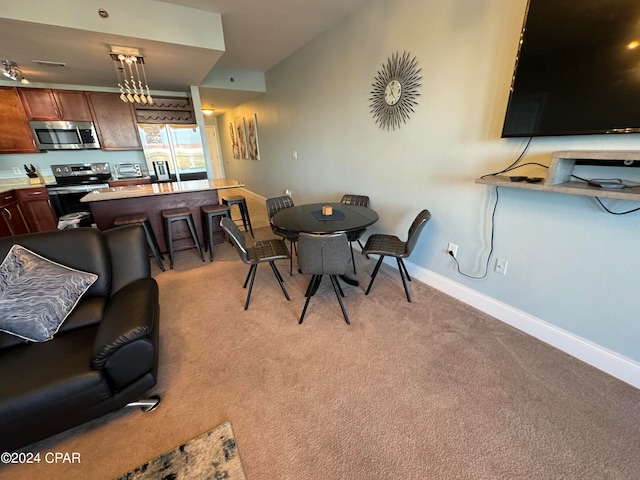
{"x":570,"y":263}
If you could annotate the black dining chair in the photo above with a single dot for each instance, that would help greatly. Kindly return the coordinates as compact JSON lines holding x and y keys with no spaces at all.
{"x":320,"y":255}
{"x":390,"y":245}
{"x":275,"y":205}
{"x":261,"y":252}
{"x":361,"y":201}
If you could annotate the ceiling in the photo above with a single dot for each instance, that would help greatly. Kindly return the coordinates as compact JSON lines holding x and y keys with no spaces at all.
{"x":257,"y":36}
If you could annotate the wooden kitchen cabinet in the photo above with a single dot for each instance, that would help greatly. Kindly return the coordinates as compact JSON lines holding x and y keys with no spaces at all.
{"x":15,"y":133}
{"x":47,"y":104}
{"x":115,"y":121}
{"x":12,"y":221}
{"x":73,"y":105}
{"x":36,"y":209}
{"x":39,"y":104}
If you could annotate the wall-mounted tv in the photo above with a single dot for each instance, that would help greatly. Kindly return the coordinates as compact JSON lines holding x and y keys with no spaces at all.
{"x":577,"y":70}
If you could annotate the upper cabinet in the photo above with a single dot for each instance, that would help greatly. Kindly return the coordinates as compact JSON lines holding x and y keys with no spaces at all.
{"x":15,"y":133}
{"x":115,"y":121}
{"x":46,"y":104}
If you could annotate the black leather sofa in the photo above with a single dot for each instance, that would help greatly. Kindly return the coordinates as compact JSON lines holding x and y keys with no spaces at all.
{"x":105,"y":354}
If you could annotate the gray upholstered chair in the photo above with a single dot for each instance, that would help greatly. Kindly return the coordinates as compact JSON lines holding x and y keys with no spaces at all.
{"x":261,"y":252}
{"x":390,"y":245}
{"x":320,"y":255}
{"x":275,"y":205}
{"x":361,"y":201}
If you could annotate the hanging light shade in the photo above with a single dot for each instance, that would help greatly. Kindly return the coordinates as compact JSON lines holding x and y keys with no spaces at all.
{"x":130,"y":72}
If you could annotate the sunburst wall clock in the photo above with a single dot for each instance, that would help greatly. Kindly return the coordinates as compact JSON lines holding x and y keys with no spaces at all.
{"x":395,"y":91}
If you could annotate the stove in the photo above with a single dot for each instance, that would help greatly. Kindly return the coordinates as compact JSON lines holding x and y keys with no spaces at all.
{"x":74,"y":181}
{"x":81,"y":174}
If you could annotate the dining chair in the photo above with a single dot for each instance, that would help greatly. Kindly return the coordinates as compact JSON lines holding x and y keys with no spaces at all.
{"x":320,"y":255}
{"x":390,"y":245}
{"x":361,"y":201}
{"x":275,"y":205}
{"x":261,"y":252}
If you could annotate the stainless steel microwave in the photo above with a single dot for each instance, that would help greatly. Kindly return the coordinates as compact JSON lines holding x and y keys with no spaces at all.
{"x":61,"y":135}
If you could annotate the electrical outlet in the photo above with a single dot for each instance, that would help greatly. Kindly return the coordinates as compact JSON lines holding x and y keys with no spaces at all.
{"x":452,"y":248}
{"x":501,"y":266}
{"x":287,"y":192}
{"x":16,"y":171}
{"x":295,"y":154}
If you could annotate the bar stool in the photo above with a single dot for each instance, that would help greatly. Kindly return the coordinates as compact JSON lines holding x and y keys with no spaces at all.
{"x":209,"y":212}
{"x":242,"y":205}
{"x":175,"y":215}
{"x":152,"y":241}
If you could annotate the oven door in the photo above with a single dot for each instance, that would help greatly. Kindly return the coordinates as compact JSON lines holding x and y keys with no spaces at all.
{"x":66,"y":199}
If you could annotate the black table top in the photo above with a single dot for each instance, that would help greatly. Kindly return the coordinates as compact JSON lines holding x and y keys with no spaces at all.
{"x":301,"y":218}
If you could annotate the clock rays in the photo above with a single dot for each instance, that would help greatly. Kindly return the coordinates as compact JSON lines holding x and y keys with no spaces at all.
{"x":387,"y":111}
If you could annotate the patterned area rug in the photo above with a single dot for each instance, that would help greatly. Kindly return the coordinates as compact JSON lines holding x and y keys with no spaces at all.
{"x":213,"y":455}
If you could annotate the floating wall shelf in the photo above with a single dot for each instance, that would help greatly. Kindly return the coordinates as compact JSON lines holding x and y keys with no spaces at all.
{"x":559,"y":178}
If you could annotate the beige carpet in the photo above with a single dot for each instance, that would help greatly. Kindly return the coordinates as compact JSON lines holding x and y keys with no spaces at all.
{"x":428,"y":390}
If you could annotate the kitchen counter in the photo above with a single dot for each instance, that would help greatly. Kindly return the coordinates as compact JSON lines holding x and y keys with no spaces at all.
{"x":8,"y":184}
{"x":155,"y":189}
{"x":152,"y":199}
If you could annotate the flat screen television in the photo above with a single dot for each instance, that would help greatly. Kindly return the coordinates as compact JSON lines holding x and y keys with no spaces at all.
{"x":577,"y":70}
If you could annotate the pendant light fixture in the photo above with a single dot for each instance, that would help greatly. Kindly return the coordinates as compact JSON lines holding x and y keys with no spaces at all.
{"x":128,"y":63}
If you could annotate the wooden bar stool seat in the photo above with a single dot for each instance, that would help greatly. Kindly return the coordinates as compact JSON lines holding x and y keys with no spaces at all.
{"x":176,"y":215}
{"x":242,"y":205}
{"x":152,"y":241}
{"x":209,"y":212}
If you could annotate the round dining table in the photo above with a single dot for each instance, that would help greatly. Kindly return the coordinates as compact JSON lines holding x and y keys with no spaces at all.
{"x":309,"y":218}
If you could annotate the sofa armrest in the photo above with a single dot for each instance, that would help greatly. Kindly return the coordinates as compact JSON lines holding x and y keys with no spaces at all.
{"x":129,"y":255}
{"x":125,"y":346}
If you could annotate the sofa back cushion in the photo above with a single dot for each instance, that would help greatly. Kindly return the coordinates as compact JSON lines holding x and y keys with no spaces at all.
{"x":7,"y":340}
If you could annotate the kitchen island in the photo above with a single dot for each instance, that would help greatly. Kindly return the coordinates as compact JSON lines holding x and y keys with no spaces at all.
{"x":109,"y":203}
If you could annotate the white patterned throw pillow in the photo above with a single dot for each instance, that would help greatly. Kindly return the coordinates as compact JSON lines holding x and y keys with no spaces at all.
{"x":37,"y":294}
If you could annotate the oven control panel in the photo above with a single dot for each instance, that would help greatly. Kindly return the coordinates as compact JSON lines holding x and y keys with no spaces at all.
{"x":80,"y":169}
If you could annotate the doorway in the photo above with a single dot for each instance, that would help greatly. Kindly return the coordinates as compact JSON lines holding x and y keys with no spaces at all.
{"x":215,"y":153}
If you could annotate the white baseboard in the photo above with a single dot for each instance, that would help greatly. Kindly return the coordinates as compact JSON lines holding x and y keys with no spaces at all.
{"x":613,"y":363}
{"x":255,"y":196}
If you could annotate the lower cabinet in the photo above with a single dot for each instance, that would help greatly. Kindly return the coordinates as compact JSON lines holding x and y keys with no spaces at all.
{"x":36,"y":209}
{"x":12,"y":221}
